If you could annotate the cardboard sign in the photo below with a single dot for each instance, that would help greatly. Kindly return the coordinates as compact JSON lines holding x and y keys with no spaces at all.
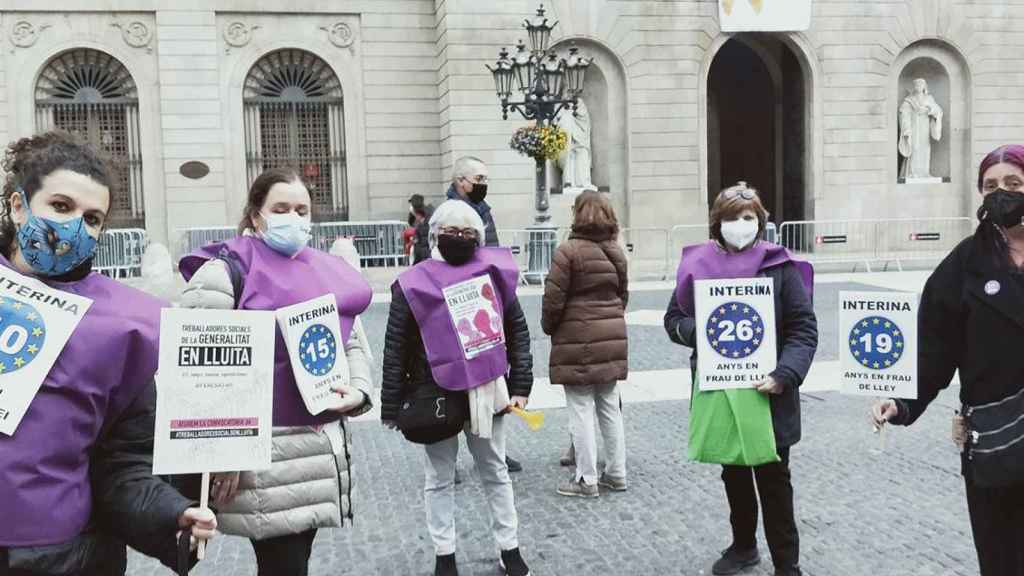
{"x":735,"y":332}
{"x":35,"y":324}
{"x":312,"y":333}
{"x":476,"y":315}
{"x":878,"y":343}
{"x":764,"y":15}
{"x":215,"y":391}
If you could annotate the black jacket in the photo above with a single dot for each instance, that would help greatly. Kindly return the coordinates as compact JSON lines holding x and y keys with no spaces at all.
{"x":796,"y":330}
{"x":130,"y":505}
{"x":961,"y":326}
{"x":405,"y":358}
{"x":421,"y":247}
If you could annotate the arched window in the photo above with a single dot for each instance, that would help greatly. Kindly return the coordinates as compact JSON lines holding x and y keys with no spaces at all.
{"x":92,"y":94}
{"x":294,"y":116}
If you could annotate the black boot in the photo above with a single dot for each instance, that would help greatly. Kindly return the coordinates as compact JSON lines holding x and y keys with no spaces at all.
{"x":735,"y":561}
{"x":445,"y":566}
{"x":512,"y":563}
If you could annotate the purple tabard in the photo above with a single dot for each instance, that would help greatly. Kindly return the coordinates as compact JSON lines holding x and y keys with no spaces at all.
{"x":274,"y":281}
{"x":111,"y":357}
{"x":423,"y":287}
{"x":709,"y":261}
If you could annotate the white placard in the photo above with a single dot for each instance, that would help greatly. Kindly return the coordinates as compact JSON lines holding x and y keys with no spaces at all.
{"x":764,"y":15}
{"x":312,"y":333}
{"x":473,"y":307}
{"x":35,"y":324}
{"x":735,"y":332}
{"x":215,"y":391}
{"x":878,"y":343}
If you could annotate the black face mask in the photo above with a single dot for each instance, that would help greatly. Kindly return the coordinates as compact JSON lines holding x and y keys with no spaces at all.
{"x":455,"y":250}
{"x":478,"y":193}
{"x":1003,"y":208}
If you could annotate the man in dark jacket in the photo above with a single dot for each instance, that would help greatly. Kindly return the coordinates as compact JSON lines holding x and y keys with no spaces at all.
{"x":469,"y":184}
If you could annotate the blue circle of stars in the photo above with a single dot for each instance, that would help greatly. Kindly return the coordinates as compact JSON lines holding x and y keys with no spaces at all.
{"x":729,"y":315}
{"x":875,"y":326}
{"x":316,"y":364}
{"x":19,"y":323}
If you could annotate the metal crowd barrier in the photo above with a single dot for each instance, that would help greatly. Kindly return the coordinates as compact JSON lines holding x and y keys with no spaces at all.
{"x":523,"y":242}
{"x":119,"y":253}
{"x":379,"y":243}
{"x":885,"y":241}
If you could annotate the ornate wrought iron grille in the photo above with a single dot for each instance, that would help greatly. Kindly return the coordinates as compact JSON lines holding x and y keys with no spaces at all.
{"x":294,"y":116}
{"x":92,"y":94}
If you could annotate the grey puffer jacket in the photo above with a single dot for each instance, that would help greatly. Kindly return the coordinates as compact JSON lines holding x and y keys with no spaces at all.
{"x":309,"y":483}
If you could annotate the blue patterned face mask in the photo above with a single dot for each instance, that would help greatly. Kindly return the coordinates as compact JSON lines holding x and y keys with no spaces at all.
{"x":54,"y":248}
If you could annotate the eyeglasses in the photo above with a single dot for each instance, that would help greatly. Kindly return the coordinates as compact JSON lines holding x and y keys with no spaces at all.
{"x":478,"y":179}
{"x":742,"y":191}
{"x":464,"y":233}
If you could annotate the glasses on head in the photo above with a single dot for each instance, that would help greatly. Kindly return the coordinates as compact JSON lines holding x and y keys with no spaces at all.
{"x":464,"y":233}
{"x":742,"y":192}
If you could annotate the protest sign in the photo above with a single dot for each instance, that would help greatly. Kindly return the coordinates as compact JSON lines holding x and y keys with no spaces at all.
{"x":735,"y":332}
{"x":35,"y":324}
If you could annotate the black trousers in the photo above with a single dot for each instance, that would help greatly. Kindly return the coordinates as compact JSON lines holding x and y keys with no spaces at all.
{"x":997,"y":521}
{"x":284,"y":555}
{"x":775,"y":489}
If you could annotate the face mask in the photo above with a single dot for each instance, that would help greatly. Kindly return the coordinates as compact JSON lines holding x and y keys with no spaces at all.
{"x":287,"y":233}
{"x":455,"y":250}
{"x":739,"y":233}
{"x":478,"y":193}
{"x":1003,"y":208}
{"x":54,"y":248}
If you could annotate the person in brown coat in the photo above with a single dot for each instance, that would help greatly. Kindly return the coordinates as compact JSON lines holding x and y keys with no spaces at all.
{"x":585,"y":298}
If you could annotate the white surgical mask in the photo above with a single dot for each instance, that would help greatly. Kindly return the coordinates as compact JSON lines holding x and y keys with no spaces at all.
{"x":739,"y":233}
{"x":286,"y":233}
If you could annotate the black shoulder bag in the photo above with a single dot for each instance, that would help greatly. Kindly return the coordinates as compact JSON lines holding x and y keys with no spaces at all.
{"x":431,"y":414}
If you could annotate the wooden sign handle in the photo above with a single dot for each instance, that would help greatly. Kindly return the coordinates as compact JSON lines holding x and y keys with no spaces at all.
{"x":204,"y":502}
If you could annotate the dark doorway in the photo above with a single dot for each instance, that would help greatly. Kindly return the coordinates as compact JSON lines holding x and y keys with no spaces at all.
{"x":757,"y":123}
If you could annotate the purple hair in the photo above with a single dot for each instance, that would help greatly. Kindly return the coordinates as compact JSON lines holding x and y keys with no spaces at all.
{"x":1008,"y":154}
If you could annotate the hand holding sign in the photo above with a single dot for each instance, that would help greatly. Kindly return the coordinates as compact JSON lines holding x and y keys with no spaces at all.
{"x":351,"y":398}
{"x":202,"y":522}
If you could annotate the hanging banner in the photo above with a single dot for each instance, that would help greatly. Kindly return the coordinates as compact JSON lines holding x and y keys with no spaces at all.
{"x":35,"y":324}
{"x":764,"y":15}
{"x":878,"y":343}
{"x":312,"y":334}
{"x":735,"y":332}
{"x":215,"y":391}
{"x":475,"y":313}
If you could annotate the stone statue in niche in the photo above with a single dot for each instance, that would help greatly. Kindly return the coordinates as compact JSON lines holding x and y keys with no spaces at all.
{"x":576,"y":162}
{"x":920,"y":123}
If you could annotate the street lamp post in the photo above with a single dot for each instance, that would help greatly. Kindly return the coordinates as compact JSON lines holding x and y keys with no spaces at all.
{"x":546,"y":84}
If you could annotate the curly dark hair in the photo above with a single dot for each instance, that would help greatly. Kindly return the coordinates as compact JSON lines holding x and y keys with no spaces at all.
{"x":28,"y":160}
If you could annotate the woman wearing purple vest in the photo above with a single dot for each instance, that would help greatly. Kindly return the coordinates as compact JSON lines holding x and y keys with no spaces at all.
{"x":269,"y":266}
{"x":737,"y":220}
{"x":456,"y":331}
{"x":76,"y":479}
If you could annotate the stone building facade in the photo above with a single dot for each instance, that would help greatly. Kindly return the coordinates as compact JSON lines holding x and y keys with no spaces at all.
{"x":375,"y":99}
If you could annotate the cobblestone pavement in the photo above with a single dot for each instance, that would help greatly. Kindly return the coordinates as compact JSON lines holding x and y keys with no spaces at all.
{"x":861,"y":511}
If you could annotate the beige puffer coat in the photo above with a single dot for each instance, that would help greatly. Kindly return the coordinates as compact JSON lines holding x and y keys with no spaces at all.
{"x":309,"y":483}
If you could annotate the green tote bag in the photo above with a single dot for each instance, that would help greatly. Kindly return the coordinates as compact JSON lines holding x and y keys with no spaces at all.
{"x":731,"y":427}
